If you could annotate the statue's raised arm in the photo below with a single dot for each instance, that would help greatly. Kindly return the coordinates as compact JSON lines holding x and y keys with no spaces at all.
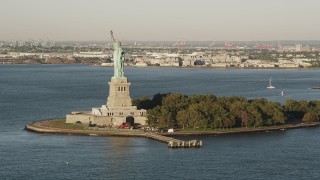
{"x":113,"y":39}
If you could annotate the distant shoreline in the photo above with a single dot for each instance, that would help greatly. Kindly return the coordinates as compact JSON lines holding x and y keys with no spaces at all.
{"x":59,"y":127}
{"x":183,"y":67}
{"x":208,"y":67}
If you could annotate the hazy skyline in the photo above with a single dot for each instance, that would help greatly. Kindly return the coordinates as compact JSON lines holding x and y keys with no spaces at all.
{"x":177,"y":20}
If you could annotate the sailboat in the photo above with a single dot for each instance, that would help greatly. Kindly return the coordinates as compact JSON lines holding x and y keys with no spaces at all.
{"x":270,"y":85}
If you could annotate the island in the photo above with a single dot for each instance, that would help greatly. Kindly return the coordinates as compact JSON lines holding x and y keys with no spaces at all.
{"x":171,"y":114}
{"x":200,"y":115}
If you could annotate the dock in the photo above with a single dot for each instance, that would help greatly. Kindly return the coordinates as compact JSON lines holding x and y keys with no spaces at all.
{"x":174,"y":143}
{"x":47,"y":126}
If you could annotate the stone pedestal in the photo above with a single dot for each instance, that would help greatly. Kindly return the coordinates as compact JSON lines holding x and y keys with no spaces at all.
{"x":119,"y":93}
{"x":117,"y":109}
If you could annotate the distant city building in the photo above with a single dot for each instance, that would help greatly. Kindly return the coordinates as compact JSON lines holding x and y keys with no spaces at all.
{"x":91,"y":55}
{"x":298,"y":47}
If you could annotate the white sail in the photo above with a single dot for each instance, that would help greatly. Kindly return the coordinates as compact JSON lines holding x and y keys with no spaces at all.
{"x":270,"y":85}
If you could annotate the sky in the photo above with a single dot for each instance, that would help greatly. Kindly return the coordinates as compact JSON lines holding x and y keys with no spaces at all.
{"x":160,"y":20}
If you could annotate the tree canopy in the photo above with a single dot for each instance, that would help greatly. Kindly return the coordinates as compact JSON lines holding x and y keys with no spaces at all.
{"x":208,"y":111}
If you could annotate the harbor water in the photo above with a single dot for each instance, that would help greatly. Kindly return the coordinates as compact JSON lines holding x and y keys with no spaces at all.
{"x":37,"y":92}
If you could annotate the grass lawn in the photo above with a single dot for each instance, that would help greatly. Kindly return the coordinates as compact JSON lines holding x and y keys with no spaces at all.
{"x":61,"y":123}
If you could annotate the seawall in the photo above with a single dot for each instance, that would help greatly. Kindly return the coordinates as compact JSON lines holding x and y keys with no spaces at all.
{"x":45,"y":127}
{"x":42,"y":127}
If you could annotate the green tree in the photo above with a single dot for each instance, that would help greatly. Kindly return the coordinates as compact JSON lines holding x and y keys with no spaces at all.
{"x":217,"y":123}
{"x":245,"y":119}
{"x":195,"y":115}
{"x":294,"y":108}
{"x":166,"y":118}
{"x":203,"y":98}
{"x":183,"y":118}
{"x":229,"y":122}
{"x":143,"y":102}
{"x":310,"y":117}
{"x":153,"y":116}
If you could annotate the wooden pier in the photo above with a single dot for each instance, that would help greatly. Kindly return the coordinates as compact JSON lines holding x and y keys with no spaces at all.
{"x":174,"y":143}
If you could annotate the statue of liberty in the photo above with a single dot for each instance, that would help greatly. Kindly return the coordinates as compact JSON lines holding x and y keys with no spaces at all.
{"x":118,"y":58}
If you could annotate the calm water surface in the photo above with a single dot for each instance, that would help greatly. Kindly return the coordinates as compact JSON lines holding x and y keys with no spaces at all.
{"x":35,"y":92}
